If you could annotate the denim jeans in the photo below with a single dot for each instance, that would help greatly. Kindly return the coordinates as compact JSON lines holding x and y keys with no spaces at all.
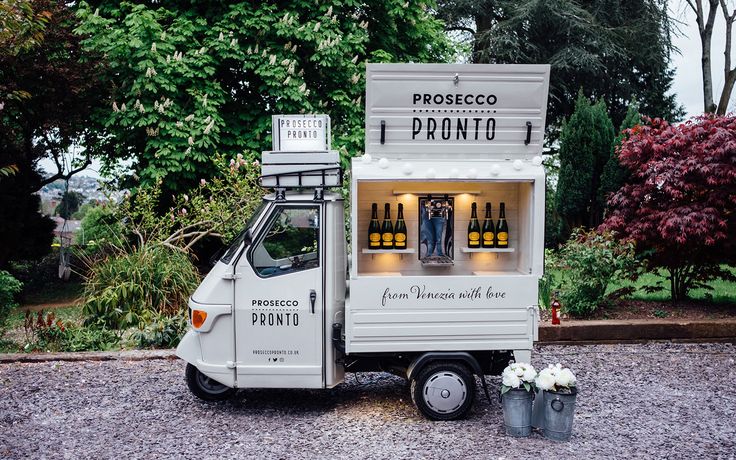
{"x":436,"y":225}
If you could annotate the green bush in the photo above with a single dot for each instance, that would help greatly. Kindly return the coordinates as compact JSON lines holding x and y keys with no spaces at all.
{"x":9,"y":288}
{"x":101,"y":225}
{"x":120,"y":289}
{"x":587,"y":263}
{"x":159,"y":331}
{"x":47,"y":333}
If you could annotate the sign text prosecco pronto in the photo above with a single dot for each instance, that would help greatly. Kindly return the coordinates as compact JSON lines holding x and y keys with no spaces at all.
{"x":301,"y":133}
{"x":453,"y":116}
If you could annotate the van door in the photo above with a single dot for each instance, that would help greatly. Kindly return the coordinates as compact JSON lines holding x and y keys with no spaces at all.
{"x":279,"y":302}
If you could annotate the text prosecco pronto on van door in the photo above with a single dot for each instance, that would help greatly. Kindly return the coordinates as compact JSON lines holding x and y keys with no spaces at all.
{"x":457,"y":128}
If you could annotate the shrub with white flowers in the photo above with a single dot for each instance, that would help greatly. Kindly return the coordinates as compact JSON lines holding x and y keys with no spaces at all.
{"x":556,"y":378}
{"x":518,"y":375}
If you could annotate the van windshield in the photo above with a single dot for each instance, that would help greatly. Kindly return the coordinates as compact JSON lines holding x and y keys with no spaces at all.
{"x":238,"y":240}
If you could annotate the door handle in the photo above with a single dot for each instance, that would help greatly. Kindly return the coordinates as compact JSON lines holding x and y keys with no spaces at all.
{"x":312,"y":299}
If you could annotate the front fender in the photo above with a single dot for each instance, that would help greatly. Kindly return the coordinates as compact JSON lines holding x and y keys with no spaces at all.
{"x":190,"y":349}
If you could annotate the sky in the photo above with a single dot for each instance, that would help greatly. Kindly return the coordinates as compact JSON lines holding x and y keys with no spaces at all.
{"x":688,"y":81}
{"x":687,"y":84}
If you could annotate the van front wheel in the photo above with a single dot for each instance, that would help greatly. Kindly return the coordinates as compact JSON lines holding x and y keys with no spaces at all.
{"x":204,"y":387}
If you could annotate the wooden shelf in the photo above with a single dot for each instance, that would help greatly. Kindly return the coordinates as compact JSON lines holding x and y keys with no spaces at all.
{"x":388,"y":251}
{"x":471,"y":250}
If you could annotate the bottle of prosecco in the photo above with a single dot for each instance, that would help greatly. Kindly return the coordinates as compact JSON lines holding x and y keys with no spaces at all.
{"x":502,"y":229}
{"x":374,"y":229}
{"x":387,"y":229}
{"x":400,"y":230}
{"x":489,"y":233}
{"x":474,"y":228}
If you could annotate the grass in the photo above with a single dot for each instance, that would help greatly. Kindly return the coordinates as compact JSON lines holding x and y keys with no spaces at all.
{"x":54,"y":293}
{"x":722,"y":292}
{"x":9,"y":342}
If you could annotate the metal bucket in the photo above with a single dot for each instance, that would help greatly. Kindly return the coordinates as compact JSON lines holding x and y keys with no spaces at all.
{"x":559,"y":409}
{"x":517,"y":412}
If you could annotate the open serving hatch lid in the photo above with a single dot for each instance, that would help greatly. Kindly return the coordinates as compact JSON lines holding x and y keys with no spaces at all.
{"x":489,"y":111}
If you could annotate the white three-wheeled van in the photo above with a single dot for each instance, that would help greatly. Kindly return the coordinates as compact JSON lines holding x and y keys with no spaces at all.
{"x":437,"y":298}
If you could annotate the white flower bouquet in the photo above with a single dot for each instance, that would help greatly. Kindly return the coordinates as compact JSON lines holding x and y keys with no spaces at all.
{"x":518,"y":375}
{"x":556,"y":378}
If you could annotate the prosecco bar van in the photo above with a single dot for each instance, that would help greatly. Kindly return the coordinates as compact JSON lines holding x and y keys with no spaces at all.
{"x":439,"y":281}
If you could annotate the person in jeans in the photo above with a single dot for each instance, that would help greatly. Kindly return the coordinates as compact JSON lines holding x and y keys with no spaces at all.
{"x":437,"y":212}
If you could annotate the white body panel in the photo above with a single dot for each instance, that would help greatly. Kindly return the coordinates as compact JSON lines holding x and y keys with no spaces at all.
{"x":455,"y":110}
{"x":441,"y":313}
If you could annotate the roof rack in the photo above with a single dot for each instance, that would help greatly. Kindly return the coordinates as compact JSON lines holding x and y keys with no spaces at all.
{"x":328,"y":176}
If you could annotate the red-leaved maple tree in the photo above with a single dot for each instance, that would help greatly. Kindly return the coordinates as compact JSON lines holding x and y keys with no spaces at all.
{"x":679,"y":204}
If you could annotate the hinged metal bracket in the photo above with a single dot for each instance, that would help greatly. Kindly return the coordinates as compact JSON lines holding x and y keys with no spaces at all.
{"x":232,"y":276}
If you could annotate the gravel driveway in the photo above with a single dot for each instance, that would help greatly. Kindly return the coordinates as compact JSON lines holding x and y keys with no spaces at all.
{"x":636,"y":401}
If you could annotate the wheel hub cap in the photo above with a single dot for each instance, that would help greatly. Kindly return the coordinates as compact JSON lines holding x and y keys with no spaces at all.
{"x":445,"y":392}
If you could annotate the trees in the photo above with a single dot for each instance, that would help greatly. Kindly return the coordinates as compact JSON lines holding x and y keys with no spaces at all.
{"x":70,"y":203}
{"x":46,"y":97}
{"x":614,"y":50}
{"x":614,"y":175}
{"x":680,"y":201}
{"x":705,"y":17}
{"x":192,"y":79}
{"x":585,"y":145}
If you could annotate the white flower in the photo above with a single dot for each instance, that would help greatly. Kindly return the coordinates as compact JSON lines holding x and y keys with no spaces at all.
{"x":233,"y":42}
{"x":285,"y":62}
{"x":123,"y":108}
{"x":565,"y":378}
{"x":329,"y":11}
{"x":510,"y":380}
{"x":221,"y":37}
{"x":529,"y":374}
{"x":316,"y":26}
{"x":208,"y":128}
{"x":153,"y":47}
{"x":287,"y":46}
{"x":202,"y":182}
{"x":288,"y":79}
{"x":189,"y":117}
{"x":545,"y":380}
{"x":190,"y":140}
{"x":272,"y":59}
{"x":115,"y":106}
{"x":355,"y":78}
{"x":293,"y":49}
{"x":519,"y":371}
{"x":204,"y":101}
{"x":186,"y":198}
{"x":354,"y":59}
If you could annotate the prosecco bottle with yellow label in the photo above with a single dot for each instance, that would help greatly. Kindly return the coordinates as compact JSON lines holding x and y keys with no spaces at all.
{"x":502,"y":229}
{"x":474,"y":228}
{"x":489,"y":233}
{"x":387,"y":229}
{"x":374,"y":229}
{"x":400,"y":230}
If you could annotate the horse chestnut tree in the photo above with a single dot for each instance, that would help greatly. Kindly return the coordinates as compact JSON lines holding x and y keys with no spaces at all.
{"x":679,"y":203}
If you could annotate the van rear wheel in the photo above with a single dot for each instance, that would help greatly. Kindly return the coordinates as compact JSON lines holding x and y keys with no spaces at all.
{"x":443,"y":390}
{"x":206,"y":388}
